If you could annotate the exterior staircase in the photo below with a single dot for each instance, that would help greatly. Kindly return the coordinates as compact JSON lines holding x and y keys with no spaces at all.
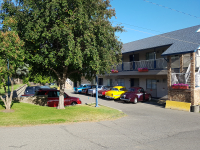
{"x":69,"y":84}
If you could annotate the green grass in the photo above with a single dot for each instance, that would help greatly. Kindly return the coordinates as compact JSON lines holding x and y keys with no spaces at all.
{"x":28,"y":114}
{"x":16,"y":86}
{"x":52,"y":86}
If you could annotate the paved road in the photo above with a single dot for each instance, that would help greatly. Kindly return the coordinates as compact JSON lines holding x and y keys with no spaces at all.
{"x":147,"y":126}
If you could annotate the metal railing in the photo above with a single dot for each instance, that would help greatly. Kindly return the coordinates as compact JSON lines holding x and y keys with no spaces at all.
{"x":179,"y":78}
{"x":144,"y":64}
{"x":69,"y":82}
{"x":160,"y":63}
{"x":127,"y":66}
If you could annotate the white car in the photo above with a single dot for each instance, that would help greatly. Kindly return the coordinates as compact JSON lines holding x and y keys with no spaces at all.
{"x":93,"y":91}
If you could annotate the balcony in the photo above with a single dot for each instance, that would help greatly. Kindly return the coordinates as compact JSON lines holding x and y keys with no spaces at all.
{"x":157,"y":64}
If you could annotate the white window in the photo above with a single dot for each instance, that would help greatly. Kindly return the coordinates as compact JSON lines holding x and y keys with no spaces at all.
{"x":120,"y":82}
{"x":109,"y":82}
{"x":151,"y":84}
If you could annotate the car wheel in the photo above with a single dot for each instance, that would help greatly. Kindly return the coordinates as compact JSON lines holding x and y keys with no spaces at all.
{"x":135,"y":100}
{"x":73,"y":103}
{"x":149,"y":98}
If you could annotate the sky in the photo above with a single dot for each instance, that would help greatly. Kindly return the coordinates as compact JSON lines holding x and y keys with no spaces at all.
{"x":142,"y":19}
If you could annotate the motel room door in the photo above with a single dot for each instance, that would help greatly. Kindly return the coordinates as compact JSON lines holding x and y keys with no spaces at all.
{"x":134,"y":82}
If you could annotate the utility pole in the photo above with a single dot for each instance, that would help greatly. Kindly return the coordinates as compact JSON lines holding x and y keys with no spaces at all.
{"x":96,"y":91}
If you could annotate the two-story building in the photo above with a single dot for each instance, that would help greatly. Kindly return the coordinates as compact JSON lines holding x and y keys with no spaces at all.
{"x":166,"y":56}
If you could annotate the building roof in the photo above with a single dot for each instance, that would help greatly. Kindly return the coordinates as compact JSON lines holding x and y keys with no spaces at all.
{"x":182,"y":41}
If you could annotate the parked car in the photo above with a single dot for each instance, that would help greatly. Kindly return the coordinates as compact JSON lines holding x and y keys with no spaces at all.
{"x":85,"y":91}
{"x":116,"y":92}
{"x":45,"y":87}
{"x":30,"y":91}
{"x":79,"y":89}
{"x":102,"y":92}
{"x":135,"y":94}
{"x":53,"y":97}
{"x":93,"y":90}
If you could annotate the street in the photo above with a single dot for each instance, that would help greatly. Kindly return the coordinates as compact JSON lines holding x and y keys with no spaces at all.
{"x":148,"y":125}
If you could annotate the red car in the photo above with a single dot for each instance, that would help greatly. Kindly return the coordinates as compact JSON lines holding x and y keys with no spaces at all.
{"x":135,"y":94}
{"x":102,"y":92}
{"x":53,"y":97}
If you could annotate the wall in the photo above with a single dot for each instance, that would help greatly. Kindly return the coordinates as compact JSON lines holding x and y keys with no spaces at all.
{"x":197,"y":96}
{"x":84,"y":81}
{"x":142,"y":54}
{"x":161,"y":90}
{"x":180,"y":95}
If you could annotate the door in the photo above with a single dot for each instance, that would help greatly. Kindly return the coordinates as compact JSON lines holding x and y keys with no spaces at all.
{"x":136,"y":57}
{"x":53,"y":98}
{"x":141,"y":95}
{"x":67,"y":100}
{"x":151,"y":87}
{"x":134,"y":82}
{"x":100,"y":81}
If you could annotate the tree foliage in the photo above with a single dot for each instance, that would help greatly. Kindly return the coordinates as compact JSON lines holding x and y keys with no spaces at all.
{"x":12,"y":53}
{"x":67,"y":38}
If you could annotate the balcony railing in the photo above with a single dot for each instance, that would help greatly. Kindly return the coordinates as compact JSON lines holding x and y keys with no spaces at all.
{"x":157,"y":64}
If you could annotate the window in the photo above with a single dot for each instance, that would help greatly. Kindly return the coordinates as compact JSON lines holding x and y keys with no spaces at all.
{"x":109,"y":82}
{"x":52,"y":94}
{"x":131,"y":90}
{"x":151,"y":84}
{"x":120,"y":82}
{"x":141,"y":90}
{"x":149,"y":55}
{"x":41,"y":93}
{"x":123,"y":89}
{"x":115,"y":89}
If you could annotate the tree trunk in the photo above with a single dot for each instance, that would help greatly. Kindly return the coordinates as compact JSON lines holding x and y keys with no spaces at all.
{"x":8,"y":101}
{"x":61,"y":96}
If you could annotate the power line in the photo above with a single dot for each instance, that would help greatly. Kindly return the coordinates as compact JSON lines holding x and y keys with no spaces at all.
{"x":138,"y":27}
{"x":172,"y":9}
{"x":163,"y":36}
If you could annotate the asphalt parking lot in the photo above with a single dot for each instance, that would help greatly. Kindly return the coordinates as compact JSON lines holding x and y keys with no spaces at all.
{"x":148,"y":125}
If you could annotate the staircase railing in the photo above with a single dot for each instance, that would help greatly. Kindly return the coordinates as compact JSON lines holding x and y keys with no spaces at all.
{"x":69,"y":82}
{"x":187,"y":74}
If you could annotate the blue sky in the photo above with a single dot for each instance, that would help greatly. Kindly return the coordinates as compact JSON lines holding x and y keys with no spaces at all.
{"x":142,"y":15}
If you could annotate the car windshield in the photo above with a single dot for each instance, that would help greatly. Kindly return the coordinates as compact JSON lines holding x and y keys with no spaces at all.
{"x":115,"y":89}
{"x":99,"y":86}
{"x":131,"y":90}
{"x":94,"y":86}
{"x":29,"y":90}
{"x":45,"y":87}
{"x":81,"y":86}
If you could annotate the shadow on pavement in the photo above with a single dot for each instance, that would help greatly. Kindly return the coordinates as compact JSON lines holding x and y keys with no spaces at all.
{"x":158,"y":103}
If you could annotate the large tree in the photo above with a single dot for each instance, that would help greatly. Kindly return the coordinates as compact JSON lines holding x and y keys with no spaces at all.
{"x":11,"y":56}
{"x":67,"y":38}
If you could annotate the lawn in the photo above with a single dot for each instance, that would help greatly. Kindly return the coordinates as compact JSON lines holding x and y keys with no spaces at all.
{"x":15,"y":86}
{"x":29,"y":114}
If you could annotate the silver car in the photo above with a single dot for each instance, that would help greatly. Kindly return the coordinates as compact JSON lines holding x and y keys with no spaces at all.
{"x":93,"y":91}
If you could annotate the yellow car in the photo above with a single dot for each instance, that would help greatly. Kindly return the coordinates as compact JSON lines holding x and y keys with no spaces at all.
{"x":116,"y":92}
